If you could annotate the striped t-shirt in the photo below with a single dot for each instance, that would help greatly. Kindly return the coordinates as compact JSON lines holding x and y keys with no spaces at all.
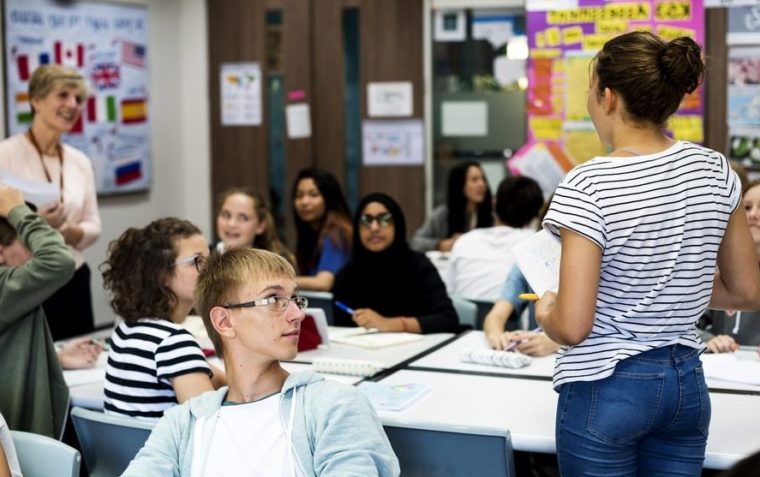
{"x":659,"y":220}
{"x":143,"y":357}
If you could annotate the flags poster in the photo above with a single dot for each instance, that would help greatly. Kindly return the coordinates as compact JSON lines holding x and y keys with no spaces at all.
{"x":108,"y":45}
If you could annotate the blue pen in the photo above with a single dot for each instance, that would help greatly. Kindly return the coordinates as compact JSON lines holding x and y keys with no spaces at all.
{"x":344,"y":307}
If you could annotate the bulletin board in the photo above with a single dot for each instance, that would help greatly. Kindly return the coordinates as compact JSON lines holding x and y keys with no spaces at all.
{"x":563,"y":42}
{"x":107,"y":44}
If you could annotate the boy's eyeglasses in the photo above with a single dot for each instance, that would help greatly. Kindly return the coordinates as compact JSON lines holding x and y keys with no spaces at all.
{"x":198,"y":260}
{"x":383,"y":220}
{"x":273,"y":303}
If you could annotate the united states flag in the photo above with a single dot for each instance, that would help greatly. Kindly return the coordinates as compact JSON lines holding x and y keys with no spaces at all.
{"x":133,"y":54}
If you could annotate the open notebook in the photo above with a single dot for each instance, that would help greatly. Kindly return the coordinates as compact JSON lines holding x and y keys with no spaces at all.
{"x":538,"y":259}
{"x":370,"y":338}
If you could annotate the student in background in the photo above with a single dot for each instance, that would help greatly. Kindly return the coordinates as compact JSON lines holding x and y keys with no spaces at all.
{"x":323,"y":227}
{"x":34,"y":263}
{"x":243,"y":219}
{"x":9,"y":466}
{"x":267,"y":422}
{"x":389,"y":286}
{"x":642,"y":231}
{"x":481,"y":258}
{"x":724,"y":330}
{"x":56,"y":94}
{"x":154,"y":363}
{"x":468,"y":206}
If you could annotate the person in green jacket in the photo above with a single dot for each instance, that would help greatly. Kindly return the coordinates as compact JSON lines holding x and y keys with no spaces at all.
{"x":34,"y":263}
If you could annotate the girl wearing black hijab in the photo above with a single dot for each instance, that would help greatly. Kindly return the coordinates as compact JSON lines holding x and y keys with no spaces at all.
{"x":387,"y":285}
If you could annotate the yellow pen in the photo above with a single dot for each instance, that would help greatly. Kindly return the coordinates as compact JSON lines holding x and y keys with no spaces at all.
{"x":528,"y":296}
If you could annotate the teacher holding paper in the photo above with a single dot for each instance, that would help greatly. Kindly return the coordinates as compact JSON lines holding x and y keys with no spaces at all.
{"x":56,"y":94}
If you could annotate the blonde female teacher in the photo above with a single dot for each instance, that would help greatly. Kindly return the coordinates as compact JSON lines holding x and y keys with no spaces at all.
{"x":56,"y":94}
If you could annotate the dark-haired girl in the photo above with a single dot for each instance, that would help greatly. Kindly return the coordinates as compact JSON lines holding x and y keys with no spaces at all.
{"x":468,"y":206}
{"x":389,"y":286}
{"x":154,"y":363}
{"x":323,"y":225}
{"x":642,"y":230}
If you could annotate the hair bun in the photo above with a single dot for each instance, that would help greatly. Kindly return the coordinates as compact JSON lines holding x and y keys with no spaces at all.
{"x":680,"y":62}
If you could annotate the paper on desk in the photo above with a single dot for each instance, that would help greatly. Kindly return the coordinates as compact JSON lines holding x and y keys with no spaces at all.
{"x":376,"y":340}
{"x":392,"y":398}
{"x":728,"y":367}
{"x":78,"y":377}
{"x":538,"y":259}
{"x":37,"y":193}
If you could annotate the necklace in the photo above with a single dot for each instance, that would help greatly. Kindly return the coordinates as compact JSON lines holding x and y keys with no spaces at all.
{"x":59,"y":153}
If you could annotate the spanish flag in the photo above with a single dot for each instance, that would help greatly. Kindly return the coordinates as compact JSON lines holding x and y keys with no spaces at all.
{"x":133,"y":111}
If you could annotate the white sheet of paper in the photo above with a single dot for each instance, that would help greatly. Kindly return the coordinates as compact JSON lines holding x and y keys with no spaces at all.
{"x":37,"y":193}
{"x":298,"y":121}
{"x":390,"y":100}
{"x":464,"y":118}
{"x":727,"y":367}
{"x":538,"y":259}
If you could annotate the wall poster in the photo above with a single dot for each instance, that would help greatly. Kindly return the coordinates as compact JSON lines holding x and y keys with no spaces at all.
{"x":107,"y":44}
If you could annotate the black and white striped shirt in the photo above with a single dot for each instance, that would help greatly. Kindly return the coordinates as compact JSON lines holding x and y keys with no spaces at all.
{"x":659,"y":220}
{"x":142,"y":359}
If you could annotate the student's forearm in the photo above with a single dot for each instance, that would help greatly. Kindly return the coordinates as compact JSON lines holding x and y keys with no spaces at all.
{"x":323,"y":281}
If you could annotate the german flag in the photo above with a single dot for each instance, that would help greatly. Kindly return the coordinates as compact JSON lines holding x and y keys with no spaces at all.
{"x":134,"y":110}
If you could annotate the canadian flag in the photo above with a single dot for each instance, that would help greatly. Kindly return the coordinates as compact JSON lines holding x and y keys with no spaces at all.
{"x":68,"y":55}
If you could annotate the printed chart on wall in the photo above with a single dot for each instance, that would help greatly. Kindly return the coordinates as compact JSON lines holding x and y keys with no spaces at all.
{"x":107,"y":44}
{"x":562,"y":43}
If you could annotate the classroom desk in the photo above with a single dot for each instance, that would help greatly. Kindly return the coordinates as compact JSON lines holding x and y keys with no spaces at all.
{"x":446,"y":359}
{"x":527,"y":409}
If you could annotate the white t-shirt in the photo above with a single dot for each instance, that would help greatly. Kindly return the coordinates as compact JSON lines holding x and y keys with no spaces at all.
{"x":659,"y":220}
{"x":6,"y":442}
{"x":480,"y":261}
{"x":250,"y":440}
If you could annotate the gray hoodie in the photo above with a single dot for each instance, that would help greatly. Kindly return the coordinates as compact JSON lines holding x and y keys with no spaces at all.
{"x":333,"y":430}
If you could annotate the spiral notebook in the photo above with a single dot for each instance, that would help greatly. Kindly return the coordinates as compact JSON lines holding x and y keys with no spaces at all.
{"x":490,"y":357}
{"x":349,"y":367}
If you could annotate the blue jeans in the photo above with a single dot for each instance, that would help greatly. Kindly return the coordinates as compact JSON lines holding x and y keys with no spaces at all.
{"x":649,"y":418}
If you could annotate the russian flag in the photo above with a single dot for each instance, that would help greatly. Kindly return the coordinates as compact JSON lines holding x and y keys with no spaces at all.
{"x":129,"y":172}
{"x":69,"y":55}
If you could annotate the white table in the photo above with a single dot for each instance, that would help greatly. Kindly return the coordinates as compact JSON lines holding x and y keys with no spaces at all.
{"x":527,"y":409}
{"x":446,"y":358}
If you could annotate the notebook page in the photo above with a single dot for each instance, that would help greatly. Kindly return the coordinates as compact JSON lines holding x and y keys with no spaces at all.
{"x":538,"y":259}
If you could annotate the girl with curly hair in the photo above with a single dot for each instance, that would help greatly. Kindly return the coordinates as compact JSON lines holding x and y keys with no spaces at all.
{"x":154,"y":363}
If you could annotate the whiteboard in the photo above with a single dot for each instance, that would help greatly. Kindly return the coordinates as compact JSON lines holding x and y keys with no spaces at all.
{"x":108,"y":45}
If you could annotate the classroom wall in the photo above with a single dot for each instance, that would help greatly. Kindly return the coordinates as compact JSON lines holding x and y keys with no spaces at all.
{"x":178,"y":69}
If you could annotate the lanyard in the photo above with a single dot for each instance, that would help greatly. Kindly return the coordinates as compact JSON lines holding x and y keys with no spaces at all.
{"x":59,"y":152}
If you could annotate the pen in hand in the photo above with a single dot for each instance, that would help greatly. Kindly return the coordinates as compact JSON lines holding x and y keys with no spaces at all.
{"x":344,"y":307}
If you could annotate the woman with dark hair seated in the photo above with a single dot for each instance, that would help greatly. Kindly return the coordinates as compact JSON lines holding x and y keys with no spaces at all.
{"x":389,"y":286}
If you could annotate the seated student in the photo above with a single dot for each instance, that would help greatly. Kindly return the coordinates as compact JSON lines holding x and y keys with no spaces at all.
{"x":323,"y":228}
{"x":154,"y":363}
{"x":9,"y":466}
{"x":468,"y":206}
{"x":267,"y":422}
{"x":243,"y":219}
{"x":531,"y":343}
{"x":389,"y":286}
{"x":724,"y":330}
{"x":481,"y":258}
{"x":34,"y":263}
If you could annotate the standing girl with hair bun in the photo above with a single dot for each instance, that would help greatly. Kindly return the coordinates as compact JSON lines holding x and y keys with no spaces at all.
{"x":642,"y":230}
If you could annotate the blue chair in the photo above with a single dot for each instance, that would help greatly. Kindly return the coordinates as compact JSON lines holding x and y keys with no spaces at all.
{"x":323,"y":300}
{"x":432,"y":451}
{"x":42,"y":456}
{"x":108,"y":442}
{"x":467,"y":311}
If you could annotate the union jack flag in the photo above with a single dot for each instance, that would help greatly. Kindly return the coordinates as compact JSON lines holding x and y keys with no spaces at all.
{"x":106,"y":75}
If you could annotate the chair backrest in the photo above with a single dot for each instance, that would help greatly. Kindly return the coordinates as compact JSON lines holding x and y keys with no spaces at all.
{"x":108,"y":442}
{"x":467,"y":311}
{"x":432,"y":451}
{"x":42,"y":456}
{"x":323,"y":300}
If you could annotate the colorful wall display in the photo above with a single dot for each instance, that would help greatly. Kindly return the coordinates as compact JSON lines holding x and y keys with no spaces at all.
{"x":563,"y":42}
{"x":107,"y":44}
